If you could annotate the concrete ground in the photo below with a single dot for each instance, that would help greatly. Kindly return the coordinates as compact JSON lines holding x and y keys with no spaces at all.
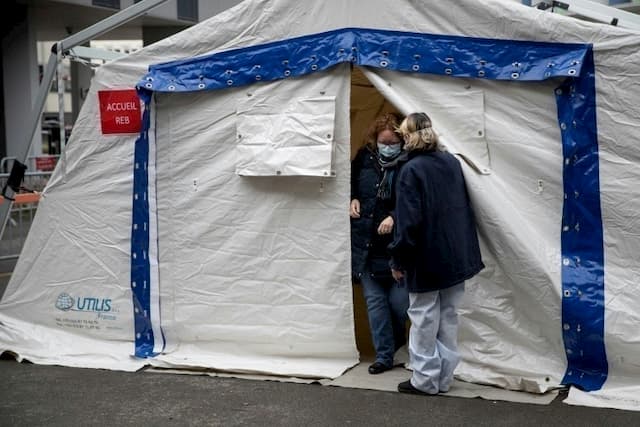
{"x":39,"y":395}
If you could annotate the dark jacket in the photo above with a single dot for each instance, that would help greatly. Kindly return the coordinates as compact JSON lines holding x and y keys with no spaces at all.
{"x":435,"y":240}
{"x":368,"y":248}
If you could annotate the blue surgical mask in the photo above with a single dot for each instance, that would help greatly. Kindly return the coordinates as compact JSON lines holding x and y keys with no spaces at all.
{"x":389,"y":151}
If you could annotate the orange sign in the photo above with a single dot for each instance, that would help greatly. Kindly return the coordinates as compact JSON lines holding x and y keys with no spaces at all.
{"x":120,"y":111}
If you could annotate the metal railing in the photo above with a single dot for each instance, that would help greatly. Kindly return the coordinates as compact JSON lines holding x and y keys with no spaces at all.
{"x":34,"y":163}
{"x":20,"y":216}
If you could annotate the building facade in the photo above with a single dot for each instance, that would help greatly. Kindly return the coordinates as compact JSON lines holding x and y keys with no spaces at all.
{"x":31,"y":27}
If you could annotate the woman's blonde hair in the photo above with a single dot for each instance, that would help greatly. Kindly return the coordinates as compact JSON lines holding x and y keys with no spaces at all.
{"x":418,"y":133}
{"x":387,"y":121}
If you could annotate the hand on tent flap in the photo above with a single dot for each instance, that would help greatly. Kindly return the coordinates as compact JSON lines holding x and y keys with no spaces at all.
{"x":386,"y":225}
{"x":354,"y":209}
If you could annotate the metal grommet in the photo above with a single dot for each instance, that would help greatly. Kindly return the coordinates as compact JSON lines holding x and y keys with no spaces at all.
{"x":563,"y":126}
{"x":516,"y":64}
{"x":258,"y":77}
{"x":314,"y":67}
{"x":448,"y":71}
{"x":415,"y":67}
{"x":481,"y":73}
{"x":340,"y":51}
{"x":567,"y":293}
{"x":171,"y":87}
{"x":201,"y":86}
{"x":228,"y":72}
{"x":287,"y":73}
{"x":229,"y":82}
{"x":558,"y":91}
{"x":547,"y":74}
{"x":449,"y":60}
{"x":515,"y":75}
{"x":384,"y":63}
{"x":148,"y":86}
{"x":416,"y":56}
{"x":149,"y":79}
{"x":285,"y":62}
{"x":575,"y":62}
{"x":483,"y":62}
{"x":571,"y":72}
{"x":258,"y":66}
{"x":385,"y":53}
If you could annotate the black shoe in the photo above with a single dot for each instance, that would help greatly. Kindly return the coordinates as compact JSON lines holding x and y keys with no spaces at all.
{"x":407,"y":387}
{"x":378,"y":368}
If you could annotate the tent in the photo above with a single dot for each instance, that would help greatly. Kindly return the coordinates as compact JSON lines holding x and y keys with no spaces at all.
{"x":214,"y":233}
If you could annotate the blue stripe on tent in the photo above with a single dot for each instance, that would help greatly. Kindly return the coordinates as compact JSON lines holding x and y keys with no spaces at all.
{"x":140,"y":267}
{"x":582,"y":235}
{"x":511,"y":60}
{"x":401,"y":51}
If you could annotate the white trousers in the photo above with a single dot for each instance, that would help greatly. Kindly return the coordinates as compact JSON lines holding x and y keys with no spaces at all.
{"x":433,"y":338}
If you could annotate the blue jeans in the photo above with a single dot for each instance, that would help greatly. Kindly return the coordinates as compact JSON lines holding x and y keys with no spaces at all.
{"x":387,"y":305}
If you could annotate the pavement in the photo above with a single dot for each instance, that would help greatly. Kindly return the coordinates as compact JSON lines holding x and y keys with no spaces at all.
{"x":41,"y":395}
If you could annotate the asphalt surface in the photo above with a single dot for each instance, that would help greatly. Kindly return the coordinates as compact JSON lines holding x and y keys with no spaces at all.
{"x":40,"y":395}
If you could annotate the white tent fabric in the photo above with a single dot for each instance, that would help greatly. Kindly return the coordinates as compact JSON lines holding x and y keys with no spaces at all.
{"x":247,"y":240}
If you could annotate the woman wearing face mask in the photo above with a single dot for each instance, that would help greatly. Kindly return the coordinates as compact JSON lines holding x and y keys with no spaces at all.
{"x":373,"y":173}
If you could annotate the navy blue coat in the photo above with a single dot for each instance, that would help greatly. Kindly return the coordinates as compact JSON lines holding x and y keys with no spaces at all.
{"x":368,"y":248}
{"x":435,"y":240}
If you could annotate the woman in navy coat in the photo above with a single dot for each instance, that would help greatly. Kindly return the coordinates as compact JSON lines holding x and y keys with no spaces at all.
{"x":434,"y":250}
{"x":373,"y":173}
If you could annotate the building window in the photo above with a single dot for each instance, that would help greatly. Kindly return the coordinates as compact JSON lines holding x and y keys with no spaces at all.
{"x":188,"y":10}
{"x":112,"y":4}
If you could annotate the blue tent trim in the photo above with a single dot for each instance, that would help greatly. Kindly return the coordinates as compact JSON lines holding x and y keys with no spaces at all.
{"x":456,"y":56}
{"x":582,"y":233}
{"x":400,"y":51}
{"x":140,"y":241}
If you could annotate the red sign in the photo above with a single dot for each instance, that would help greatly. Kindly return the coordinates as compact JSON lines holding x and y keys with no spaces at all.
{"x":119,"y":111}
{"x":46,"y":164}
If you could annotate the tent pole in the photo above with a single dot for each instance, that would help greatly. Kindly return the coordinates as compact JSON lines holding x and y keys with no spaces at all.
{"x":64,"y":45}
{"x":596,"y":11}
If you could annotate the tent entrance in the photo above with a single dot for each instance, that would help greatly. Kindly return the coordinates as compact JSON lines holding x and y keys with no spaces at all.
{"x":366,"y":103}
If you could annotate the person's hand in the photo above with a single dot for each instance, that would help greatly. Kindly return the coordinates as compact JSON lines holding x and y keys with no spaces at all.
{"x":386,"y":226}
{"x":397,"y":275}
{"x":354,"y":209}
